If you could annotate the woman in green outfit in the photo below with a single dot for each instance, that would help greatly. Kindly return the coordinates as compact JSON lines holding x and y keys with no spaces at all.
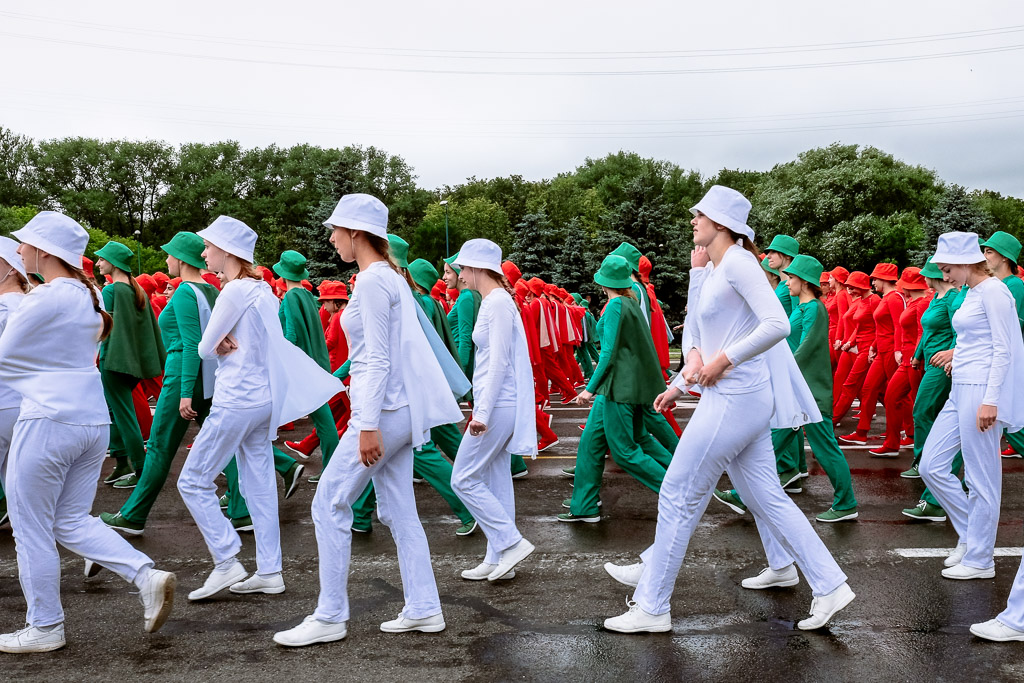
{"x":188,"y":381}
{"x":623,"y":387}
{"x":134,"y":351}
{"x":808,"y":340}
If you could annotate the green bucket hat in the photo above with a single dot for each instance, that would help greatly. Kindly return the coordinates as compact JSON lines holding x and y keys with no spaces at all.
{"x":630,"y":253}
{"x":931,"y":270}
{"x":423,"y":273}
{"x":784,"y":244}
{"x":614,"y":273}
{"x":577,"y":298}
{"x":117,"y":255}
{"x":806,"y":268}
{"x":292,"y":266}
{"x":1005,"y":243}
{"x":188,"y":248}
{"x":764,"y":264}
{"x":399,"y":250}
{"x":451,"y":262}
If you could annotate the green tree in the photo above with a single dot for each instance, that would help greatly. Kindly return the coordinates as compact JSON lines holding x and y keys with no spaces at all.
{"x":954,"y":212}
{"x":18,"y":186}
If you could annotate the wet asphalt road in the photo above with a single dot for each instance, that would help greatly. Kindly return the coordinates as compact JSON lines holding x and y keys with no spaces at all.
{"x":907,"y":623}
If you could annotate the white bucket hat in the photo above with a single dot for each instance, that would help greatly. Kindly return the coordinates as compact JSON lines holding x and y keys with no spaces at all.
{"x":480,"y":253}
{"x":9,"y":253}
{"x":57,"y":234}
{"x":958,"y":248}
{"x":727,"y":207}
{"x":360,"y":212}
{"x":231,"y":235}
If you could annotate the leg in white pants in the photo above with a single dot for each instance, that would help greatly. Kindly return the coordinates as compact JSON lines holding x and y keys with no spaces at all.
{"x":52,"y":473}
{"x":1013,"y":615}
{"x":714,"y":440}
{"x":482,"y":480}
{"x":341,"y":484}
{"x":240,"y":432}
{"x":975,"y":517}
{"x":8,"y":416}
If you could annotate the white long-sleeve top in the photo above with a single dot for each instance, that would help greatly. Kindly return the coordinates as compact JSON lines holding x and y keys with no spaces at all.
{"x":243,"y":378}
{"x":48,"y":355}
{"x":987,"y":333}
{"x":373,"y":326}
{"x":9,"y":398}
{"x":732,"y":308}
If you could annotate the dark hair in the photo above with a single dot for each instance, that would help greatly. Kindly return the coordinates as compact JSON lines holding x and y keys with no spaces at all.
{"x":90,"y":284}
{"x":626,"y":292}
{"x":140,"y":294}
{"x":748,"y":243}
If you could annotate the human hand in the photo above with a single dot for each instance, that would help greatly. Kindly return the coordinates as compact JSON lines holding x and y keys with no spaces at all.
{"x":371,"y":448}
{"x":986,"y":416}
{"x":227,"y":345}
{"x":185,"y":408}
{"x":713,"y":370}
{"x":476,"y":428}
{"x":583,"y":398}
{"x":699,"y":257}
{"x":667,"y":399}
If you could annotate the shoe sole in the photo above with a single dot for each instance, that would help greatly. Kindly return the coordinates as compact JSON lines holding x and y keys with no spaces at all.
{"x":649,"y":629}
{"x":585,"y":520}
{"x":831,"y":614}
{"x":506,"y":577}
{"x":520,"y":475}
{"x":884,"y":455}
{"x":313,"y":641}
{"x":924,"y":518}
{"x":111,"y":482}
{"x":735,"y":508}
{"x":994,"y":639}
{"x":422,"y":629}
{"x":124,"y":530}
{"x":910,"y":476}
{"x":467,"y":533}
{"x":295,"y":482}
{"x":268,"y":591}
{"x":795,"y":477}
{"x":166,"y":607}
{"x":794,"y":489}
{"x":550,"y":445}
{"x":844,"y":518}
{"x":361,"y":531}
{"x":502,"y":570}
{"x":246,"y":528}
{"x":124,"y":488}
{"x":304,"y":456}
{"x":567,"y":475}
{"x":28,"y":650}
{"x":991,"y":574}
{"x":789,"y":583}
{"x":851,"y":443}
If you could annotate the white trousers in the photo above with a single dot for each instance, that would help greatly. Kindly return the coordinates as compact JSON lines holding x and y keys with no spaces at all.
{"x":729,"y":432}
{"x":975,"y":516}
{"x":482,"y":479}
{"x":52,"y":472}
{"x":1013,"y":615}
{"x":8,"y":416}
{"x":341,"y":484}
{"x":240,"y":433}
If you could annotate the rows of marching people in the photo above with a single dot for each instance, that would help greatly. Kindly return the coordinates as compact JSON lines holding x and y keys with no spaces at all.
{"x":381,"y":365}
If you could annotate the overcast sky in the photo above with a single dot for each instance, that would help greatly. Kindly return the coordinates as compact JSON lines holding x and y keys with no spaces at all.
{"x":485,"y":89}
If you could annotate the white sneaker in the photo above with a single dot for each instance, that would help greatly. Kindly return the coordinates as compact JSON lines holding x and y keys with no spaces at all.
{"x":271,"y":584}
{"x":962,"y":572}
{"x":510,"y":557}
{"x":311,"y":631}
{"x":769,"y":578}
{"x":993,"y":629}
{"x":958,"y":554}
{"x":433,"y":624}
{"x":638,"y":621}
{"x":825,"y":607}
{"x":218,"y":580}
{"x":92,"y":569}
{"x":627,"y":574}
{"x":157,"y":598}
{"x":31,"y":639}
{"x":483,"y":570}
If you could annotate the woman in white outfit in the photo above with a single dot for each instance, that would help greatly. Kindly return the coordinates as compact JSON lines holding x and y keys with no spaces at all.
{"x":13,"y":288}
{"x":503,"y":421}
{"x":987,"y":363}
{"x":48,"y":356}
{"x":735,"y":321}
{"x":398,"y":392}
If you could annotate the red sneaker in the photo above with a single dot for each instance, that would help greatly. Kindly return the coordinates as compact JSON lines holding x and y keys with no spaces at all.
{"x":544,"y":445}
{"x":1010,"y":450}
{"x":855,"y":438}
{"x":290,"y":427}
{"x":907,"y":441}
{"x":884,"y":451}
{"x":296,"y":448}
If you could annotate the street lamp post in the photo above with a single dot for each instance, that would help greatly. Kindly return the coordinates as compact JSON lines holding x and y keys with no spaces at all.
{"x":138,"y":244}
{"x":447,"y":249}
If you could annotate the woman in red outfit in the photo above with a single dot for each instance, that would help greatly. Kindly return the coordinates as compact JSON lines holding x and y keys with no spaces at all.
{"x":837,"y":304}
{"x":882,"y":355}
{"x":855,"y":343}
{"x":902,"y":388}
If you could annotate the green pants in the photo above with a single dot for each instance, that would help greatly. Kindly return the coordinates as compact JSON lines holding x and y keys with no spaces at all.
{"x":236,"y":503}
{"x":428,"y":464}
{"x":932,"y":394}
{"x":617,"y":428}
{"x":165,"y":438}
{"x":448,"y":438}
{"x":789,"y":450}
{"x":326,"y":429}
{"x":822,"y":438}
{"x":657,"y":426}
{"x":125,"y":433}
{"x":584,"y":357}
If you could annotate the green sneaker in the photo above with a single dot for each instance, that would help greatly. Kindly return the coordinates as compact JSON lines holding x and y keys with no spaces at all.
{"x":291,"y":480}
{"x":120,"y":472}
{"x":791,"y":481}
{"x":362,"y":529}
{"x":569,"y":472}
{"x":129,"y":482}
{"x":912,"y":473}
{"x":224,"y":502}
{"x":466,"y":529}
{"x":732,"y":500}
{"x":314,"y":480}
{"x":570,"y":518}
{"x":926,"y":512}
{"x":833,"y":515}
{"x":242,"y":523}
{"x":119,"y":523}
{"x":567,"y":503}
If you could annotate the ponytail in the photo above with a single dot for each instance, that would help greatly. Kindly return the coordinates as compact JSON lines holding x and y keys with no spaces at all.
{"x":140,"y":294}
{"x":90,"y":284}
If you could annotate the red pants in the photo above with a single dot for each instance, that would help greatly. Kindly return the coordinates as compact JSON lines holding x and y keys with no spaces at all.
{"x":544,"y":432}
{"x":556,"y":375}
{"x":340,"y":412}
{"x":899,"y":403}
{"x":672,"y":421}
{"x":881,"y":371}
{"x":142,"y":412}
{"x":540,"y":384}
{"x":567,"y":357}
{"x":852,"y":381}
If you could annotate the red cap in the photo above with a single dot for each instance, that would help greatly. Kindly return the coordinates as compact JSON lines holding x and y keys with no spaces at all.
{"x":332,"y":290}
{"x":645,"y":269}
{"x":858,"y":280}
{"x":522,"y":289}
{"x":1020,"y":271}
{"x":453,"y":294}
{"x":147,"y":283}
{"x":825,"y":277}
{"x":512,"y":272}
{"x":840,"y":274}
{"x":912,"y":279}
{"x":161,"y":280}
{"x":562,"y":294}
{"x":308,"y":285}
{"x":551,"y":289}
{"x":87,"y":266}
{"x":267,"y":274}
{"x":212,"y":279}
{"x":536,"y":286}
{"x":886,"y":271}
{"x":108,"y":279}
{"x":175,"y":281}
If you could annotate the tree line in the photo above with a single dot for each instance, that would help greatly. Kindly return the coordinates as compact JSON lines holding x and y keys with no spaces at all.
{"x":846,"y":204}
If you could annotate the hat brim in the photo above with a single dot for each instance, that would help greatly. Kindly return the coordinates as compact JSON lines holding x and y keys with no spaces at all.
{"x":1001,"y":251}
{"x":473,"y":263}
{"x":611,"y":282}
{"x":912,"y":285}
{"x":232,"y":249}
{"x":39,"y":242}
{"x":803,"y":276}
{"x":355,"y":224}
{"x":957,"y":259}
{"x":195,"y":262}
{"x":723,"y":219}
{"x":290,"y":274}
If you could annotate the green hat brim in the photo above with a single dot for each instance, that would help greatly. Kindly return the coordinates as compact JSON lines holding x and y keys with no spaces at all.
{"x":764,"y":264}
{"x":612,"y":283}
{"x":106,"y":254}
{"x":184,"y":257}
{"x":451,"y":262}
{"x":931,"y":270}
{"x":287,"y":273}
{"x":782,"y":246}
{"x":1007,"y":250}
{"x":804,"y":275}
